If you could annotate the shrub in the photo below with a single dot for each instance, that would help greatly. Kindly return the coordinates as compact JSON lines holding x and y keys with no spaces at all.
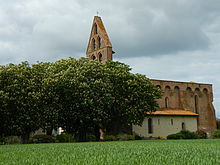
{"x":175,"y":136}
{"x":188,"y":135}
{"x":43,"y":139}
{"x":64,"y":137}
{"x":201,"y":134}
{"x":110,"y":138}
{"x":12,"y":140}
{"x":137,"y":137}
{"x":124,"y":137}
{"x":2,"y":140}
{"x":216,"y":134}
{"x":184,"y":134}
{"x":131,"y":137}
{"x":90,"y":138}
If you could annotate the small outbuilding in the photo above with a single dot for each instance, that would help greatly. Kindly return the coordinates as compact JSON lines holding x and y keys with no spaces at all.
{"x":162,"y":123}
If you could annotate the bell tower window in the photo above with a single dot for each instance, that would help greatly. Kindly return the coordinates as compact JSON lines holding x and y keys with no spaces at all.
{"x":93,"y":44}
{"x":95,"y":29}
{"x":100,"y":57}
{"x":99,"y":42}
{"x":93,"y":57}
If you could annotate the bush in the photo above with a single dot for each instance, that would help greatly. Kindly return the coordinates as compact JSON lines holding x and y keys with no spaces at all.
{"x":184,"y":134}
{"x":189,"y":135}
{"x":90,"y":138}
{"x":124,"y":137}
{"x":43,"y":139}
{"x":216,"y":134}
{"x":110,"y":138}
{"x":175,"y":136}
{"x":131,"y":137}
{"x":2,"y":140}
{"x":64,"y":137}
{"x":201,"y":134}
{"x":137,"y":137}
{"x":12,"y":140}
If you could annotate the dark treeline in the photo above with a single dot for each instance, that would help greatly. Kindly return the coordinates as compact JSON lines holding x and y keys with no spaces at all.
{"x":81,"y":96}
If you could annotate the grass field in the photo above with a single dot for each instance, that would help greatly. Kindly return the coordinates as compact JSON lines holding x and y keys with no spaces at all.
{"x":159,"y":152}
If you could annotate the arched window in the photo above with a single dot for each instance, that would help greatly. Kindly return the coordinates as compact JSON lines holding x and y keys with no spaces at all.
{"x":100,"y":57}
{"x":93,"y":44}
{"x":183,"y":126}
{"x":150,"y":126}
{"x":95,"y":29}
{"x":93,"y":57}
{"x":99,"y":42}
{"x":166,"y":102}
{"x":159,"y":87}
{"x":171,"y":121}
{"x":196,"y":103}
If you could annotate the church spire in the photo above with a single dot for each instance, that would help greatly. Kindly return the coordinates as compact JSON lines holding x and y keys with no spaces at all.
{"x":99,"y":46}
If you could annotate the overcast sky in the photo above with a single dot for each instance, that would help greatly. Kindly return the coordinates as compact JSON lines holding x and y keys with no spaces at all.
{"x":171,"y":40}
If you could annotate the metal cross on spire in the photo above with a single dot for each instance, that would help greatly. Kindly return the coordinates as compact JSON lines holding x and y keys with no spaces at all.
{"x":97,"y":12}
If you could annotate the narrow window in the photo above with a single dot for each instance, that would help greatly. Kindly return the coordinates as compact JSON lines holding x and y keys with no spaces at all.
{"x":95,"y":29}
{"x":100,"y":57}
{"x":150,"y":126}
{"x":166,"y":102}
{"x":99,"y":42}
{"x":93,"y":44}
{"x":183,"y":126}
{"x":196,"y":103}
{"x":158,"y":121}
{"x":171,"y":121}
{"x":196,"y":107}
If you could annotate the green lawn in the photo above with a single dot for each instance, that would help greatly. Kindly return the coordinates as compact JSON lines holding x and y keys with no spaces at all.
{"x":159,"y":152}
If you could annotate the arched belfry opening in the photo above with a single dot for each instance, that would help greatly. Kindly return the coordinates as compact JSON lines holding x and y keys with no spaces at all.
{"x":100,"y":57}
{"x":93,"y":57}
{"x":99,"y":42}
{"x":93,"y":44}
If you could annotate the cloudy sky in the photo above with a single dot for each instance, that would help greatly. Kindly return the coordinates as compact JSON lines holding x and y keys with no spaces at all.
{"x":171,"y":40}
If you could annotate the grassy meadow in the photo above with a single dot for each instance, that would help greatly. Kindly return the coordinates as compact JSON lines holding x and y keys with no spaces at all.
{"x":158,"y":152}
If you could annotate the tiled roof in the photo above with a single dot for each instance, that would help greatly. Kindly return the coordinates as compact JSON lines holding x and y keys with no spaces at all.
{"x":217,"y":119}
{"x":175,"y":112}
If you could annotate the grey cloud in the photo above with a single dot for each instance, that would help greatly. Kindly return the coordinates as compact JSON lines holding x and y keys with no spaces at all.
{"x":170,"y":39}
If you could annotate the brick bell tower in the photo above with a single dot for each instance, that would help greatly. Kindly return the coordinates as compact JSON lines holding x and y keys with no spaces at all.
{"x":99,"y":46}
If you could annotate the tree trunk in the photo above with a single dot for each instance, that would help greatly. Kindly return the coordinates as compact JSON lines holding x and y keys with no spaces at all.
{"x":81,"y":135}
{"x":97,"y":133}
{"x":115,"y":127}
{"x":25,"y":138}
{"x":49,"y":131}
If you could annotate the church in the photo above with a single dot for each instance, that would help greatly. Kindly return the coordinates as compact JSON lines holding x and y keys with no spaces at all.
{"x":183,"y":106}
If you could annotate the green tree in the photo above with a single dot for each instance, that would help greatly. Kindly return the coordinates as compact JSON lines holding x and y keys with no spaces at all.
{"x":20,"y":98}
{"x":93,"y":95}
{"x":132,"y":96}
{"x":82,"y":95}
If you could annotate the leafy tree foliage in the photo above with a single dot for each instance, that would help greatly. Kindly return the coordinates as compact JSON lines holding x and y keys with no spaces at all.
{"x":20,"y":98}
{"x":81,"y":96}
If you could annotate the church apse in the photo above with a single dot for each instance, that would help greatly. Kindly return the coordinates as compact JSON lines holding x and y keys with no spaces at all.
{"x":194,"y":97}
